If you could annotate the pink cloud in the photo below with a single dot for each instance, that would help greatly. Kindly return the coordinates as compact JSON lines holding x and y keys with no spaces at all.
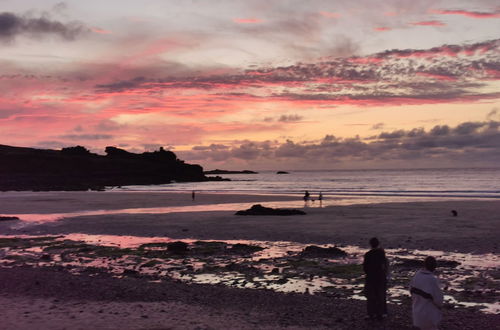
{"x":382,"y":28}
{"x":100,"y":31}
{"x":247,"y":20}
{"x":429,"y":23}
{"x":329,"y":14}
{"x":473,"y":14}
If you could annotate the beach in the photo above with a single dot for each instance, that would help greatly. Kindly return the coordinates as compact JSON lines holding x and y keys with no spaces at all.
{"x":54,"y":297}
{"x":412,"y":225}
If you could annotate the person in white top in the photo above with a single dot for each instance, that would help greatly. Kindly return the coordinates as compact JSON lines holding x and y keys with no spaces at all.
{"x":427,"y":297}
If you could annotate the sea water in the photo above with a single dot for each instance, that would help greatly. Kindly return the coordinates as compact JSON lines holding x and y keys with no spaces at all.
{"x":404,"y":183}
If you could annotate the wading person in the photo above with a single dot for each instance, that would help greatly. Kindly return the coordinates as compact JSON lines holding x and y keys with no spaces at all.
{"x":375,"y":266}
{"x":426,"y":297}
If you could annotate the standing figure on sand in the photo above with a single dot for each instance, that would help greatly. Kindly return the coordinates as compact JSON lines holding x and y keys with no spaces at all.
{"x":426,"y":296}
{"x":307,"y":197}
{"x":375,"y":266}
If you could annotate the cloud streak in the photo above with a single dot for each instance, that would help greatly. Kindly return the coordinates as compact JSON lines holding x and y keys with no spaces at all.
{"x":428,"y":23}
{"x":467,"y":13}
{"x":247,"y":20}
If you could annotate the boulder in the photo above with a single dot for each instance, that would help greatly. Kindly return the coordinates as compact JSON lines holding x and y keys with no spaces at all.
{"x":239,"y":248}
{"x":258,"y":209}
{"x":177,"y":247}
{"x":313,"y":251}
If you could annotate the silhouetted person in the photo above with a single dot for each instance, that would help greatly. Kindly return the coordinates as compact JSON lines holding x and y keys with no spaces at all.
{"x":320,"y":198}
{"x":193,"y":195}
{"x":375,"y":265}
{"x":454,"y":213}
{"x":427,"y":298}
{"x":307,"y":196}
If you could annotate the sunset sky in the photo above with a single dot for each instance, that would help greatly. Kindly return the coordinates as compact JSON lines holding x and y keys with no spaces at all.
{"x":274,"y":84}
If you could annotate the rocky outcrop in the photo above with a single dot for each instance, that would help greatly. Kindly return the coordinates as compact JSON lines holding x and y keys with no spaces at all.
{"x":217,"y":171}
{"x":258,"y":209}
{"x":76,"y":168}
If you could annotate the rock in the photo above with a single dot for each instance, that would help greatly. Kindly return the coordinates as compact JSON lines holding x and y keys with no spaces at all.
{"x":217,"y":171}
{"x":130,"y":272}
{"x":45,"y":257}
{"x":177,"y":247}
{"x":313,"y":251}
{"x":244,"y":249}
{"x":258,"y":209}
{"x":282,"y":172}
{"x":207,"y":248}
{"x":7,"y":218}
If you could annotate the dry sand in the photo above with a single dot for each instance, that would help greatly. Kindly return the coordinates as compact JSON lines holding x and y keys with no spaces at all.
{"x":52,"y":299}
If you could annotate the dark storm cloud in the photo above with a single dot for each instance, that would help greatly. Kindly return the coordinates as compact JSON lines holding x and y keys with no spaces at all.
{"x":13,"y":25}
{"x":467,"y":143}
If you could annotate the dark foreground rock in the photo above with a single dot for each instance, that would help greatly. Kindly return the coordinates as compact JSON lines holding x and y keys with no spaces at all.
{"x":258,"y":209}
{"x":244,"y":248}
{"x":177,"y":247}
{"x":76,"y":168}
{"x":263,"y":308}
{"x":7,"y":218}
{"x":313,"y":251}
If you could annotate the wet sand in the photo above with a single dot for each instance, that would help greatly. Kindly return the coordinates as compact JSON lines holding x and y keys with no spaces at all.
{"x":412,"y":225}
{"x":56,"y":299}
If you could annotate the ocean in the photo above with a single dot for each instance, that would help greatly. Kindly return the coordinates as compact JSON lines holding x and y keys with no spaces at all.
{"x":362,"y":185}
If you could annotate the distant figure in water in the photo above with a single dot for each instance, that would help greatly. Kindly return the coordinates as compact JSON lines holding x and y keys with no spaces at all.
{"x":426,"y":296}
{"x":307,"y":196}
{"x":454,"y":213}
{"x":375,"y":266}
{"x":193,"y":195}
{"x":320,"y":198}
